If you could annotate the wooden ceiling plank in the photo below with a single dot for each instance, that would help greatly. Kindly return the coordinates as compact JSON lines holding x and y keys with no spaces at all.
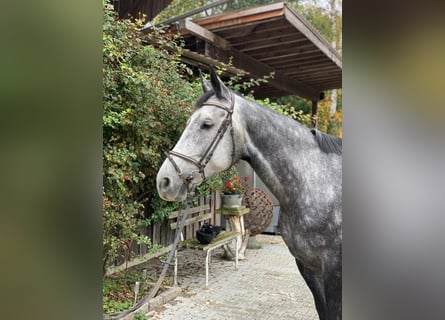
{"x":301,"y":48}
{"x":270,"y":44}
{"x":290,"y":55}
{"x":311,"y":74}
{"x":319,"y":77}
{"x":302,"y":65}
{"x":235,"y":23}
{"x":266,"y":55}
{"x":297,"y":58}
{"x":291,"y":63}
{"x":314,"y":68}
{"x":261,"y":27}
{"x":253,"y":38}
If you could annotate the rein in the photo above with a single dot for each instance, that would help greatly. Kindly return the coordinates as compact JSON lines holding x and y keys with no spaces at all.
{"x":208,"y":154}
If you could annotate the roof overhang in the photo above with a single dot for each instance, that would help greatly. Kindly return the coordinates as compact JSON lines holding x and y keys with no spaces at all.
{"x":267,"y":39}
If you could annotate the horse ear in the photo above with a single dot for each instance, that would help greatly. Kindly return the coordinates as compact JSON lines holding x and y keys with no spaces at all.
{"x":220,"y":89}
{"x":206,"y":86}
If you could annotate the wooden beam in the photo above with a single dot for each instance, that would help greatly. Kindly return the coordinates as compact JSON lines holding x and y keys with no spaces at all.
{"x":138,"y":260}
{"x":175,"y":214}
{"x":189,"y":221}
{"x":243,"y":16}
{"x":313,"y":35}
{"x":203,"y":33}
{"x":193,"y":58}
{"x":314,"y":113}
{"x":246,"y":62}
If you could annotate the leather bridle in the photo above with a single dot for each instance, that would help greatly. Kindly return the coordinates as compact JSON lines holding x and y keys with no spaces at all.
{"x":208,"y":154}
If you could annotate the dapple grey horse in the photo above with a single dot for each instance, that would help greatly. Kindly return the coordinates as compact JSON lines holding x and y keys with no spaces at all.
{"x":302,"y":167}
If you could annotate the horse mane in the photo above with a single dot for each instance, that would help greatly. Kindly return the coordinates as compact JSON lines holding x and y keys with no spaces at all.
{"x":327,"y":143}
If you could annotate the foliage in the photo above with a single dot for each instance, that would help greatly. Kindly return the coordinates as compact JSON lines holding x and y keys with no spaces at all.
{"x":142,"y":87}
{"x":217,"y":182}
{"x":331,"y":124}
{"x":300,"y":109}
{"x":238,"y":83}
{"x":319,"y":18}
{"x":227,"y":181}
{"x":288,"y":110}
{"x":118,"y":291}
{"x":139,"y":316}
{"x":299,"y":103}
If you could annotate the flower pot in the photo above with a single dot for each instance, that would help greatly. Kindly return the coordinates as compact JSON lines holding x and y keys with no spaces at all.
{"x":232,"y":200}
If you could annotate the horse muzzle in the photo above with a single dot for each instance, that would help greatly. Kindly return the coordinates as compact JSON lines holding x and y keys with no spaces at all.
{"x":174,"y":187}
{"x":171,"y":188}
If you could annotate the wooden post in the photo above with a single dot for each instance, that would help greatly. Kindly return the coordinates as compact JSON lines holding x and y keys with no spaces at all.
{"x":314,"y":113}
{"x":235,"y":222}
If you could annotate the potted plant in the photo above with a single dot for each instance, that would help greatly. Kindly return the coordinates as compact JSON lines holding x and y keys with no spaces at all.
{"x":233,"y":190}
{"x":229,"y":183}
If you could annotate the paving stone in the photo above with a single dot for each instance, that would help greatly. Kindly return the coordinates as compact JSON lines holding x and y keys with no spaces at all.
{"x":266,"y":286}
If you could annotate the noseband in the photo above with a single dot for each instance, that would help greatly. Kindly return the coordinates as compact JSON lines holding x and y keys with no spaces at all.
{"x":205,"y":158}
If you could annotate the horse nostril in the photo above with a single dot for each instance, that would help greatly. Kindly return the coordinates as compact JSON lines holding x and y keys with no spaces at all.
{"x":165,"y":182}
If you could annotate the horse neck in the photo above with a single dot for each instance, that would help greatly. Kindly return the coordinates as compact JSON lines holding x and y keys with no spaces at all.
{"x":282,"y":152}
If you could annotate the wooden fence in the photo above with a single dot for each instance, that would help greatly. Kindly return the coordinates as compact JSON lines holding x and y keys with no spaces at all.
{"x":161,"y":234}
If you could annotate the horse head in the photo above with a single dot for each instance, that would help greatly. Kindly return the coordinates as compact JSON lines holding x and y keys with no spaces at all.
{"x":207,"y":146}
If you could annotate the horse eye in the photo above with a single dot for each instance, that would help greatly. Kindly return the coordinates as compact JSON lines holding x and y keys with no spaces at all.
{"x":207,"y":124}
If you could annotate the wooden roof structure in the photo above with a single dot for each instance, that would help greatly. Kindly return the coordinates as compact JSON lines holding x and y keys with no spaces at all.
{"x":260,"y":40}
{"x":135,"y":8}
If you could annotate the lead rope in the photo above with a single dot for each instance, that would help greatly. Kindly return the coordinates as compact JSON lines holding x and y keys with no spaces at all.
{"x":175,"y":244}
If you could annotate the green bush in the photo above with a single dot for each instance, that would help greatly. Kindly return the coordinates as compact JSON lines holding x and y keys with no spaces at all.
{"x":146,"y":102}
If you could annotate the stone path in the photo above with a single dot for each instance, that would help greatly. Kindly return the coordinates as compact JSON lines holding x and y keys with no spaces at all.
{"x":266,"y":286}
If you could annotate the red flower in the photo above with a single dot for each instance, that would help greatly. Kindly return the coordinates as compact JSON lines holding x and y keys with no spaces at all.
{"x":235,"y":184}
